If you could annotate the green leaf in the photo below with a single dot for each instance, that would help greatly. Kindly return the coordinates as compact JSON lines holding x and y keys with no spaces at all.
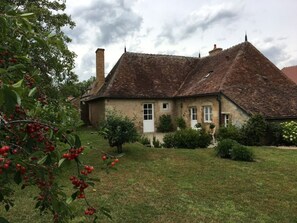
{"x":18,"y":84}
{"x":19,"y":100}
{"x":32,"y":92}
{"x":77,"y":143}
{"x":72,"y":198}
{"x":61,"y":161}
{"x":2,"y":71}
{"x":15,"y":67}
{"x":27,"y":14}
{"x":42,"y":160}
{"x":10,"y":99}
{"x":3,"y":220}
{"x":17,"y":177}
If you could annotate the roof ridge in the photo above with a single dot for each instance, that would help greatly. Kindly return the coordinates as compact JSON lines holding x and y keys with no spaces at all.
{"x":161,"y":55}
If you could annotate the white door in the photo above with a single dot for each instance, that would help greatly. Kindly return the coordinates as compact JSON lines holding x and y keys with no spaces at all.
{"x":148,"y":118}
{"x":193,"y":117}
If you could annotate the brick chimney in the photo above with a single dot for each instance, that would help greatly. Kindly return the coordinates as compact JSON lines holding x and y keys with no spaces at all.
{"x":100,"y":78}
{"x":215,"y":50}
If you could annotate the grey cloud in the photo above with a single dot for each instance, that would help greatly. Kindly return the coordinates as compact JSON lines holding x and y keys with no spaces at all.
{"x":104,"y":22}
{"x":277,"y":54}
{"x":204,"y":19}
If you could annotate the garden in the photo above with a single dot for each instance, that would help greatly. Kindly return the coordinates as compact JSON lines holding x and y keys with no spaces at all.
{"x":179,"y":185}
{"x":52,"y":169}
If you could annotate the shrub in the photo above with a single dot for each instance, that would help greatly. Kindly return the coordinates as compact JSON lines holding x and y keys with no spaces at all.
{"x":165,"y":123}
{"x":224,"y":148}
{"x":144,"y":140}
{"x":229,"y":132}
{"x":254,"y":130}
{"x":289,"y":132}
{"x":187,"y":138}
{"x":118,"y":130}
{"x":168,"y":140}
{"x":181,"y":123}
{"x":274,"y":134}
{"x":156,"y":142}
{"x":241,"y":153}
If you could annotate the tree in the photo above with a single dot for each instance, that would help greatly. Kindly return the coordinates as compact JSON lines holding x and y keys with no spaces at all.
{"x":47,"y":51}
{"x":118,"y":129}
{"x":33,"y":149}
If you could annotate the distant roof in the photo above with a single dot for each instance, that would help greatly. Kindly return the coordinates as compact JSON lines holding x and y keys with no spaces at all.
{"x":291,"y":73}
{"x":241,"y":73}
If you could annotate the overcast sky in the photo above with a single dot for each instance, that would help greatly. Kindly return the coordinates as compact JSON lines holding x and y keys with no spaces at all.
{"x":180,"y":27}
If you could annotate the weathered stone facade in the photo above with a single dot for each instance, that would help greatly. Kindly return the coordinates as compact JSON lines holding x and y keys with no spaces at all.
{"x":175,"y":108}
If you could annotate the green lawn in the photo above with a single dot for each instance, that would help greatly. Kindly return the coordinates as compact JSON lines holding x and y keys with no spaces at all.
{"x":178,"y":185}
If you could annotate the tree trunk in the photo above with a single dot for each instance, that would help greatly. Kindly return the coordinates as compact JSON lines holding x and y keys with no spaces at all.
{"x":120,"y":149}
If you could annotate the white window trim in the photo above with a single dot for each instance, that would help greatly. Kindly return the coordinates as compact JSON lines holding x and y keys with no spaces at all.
{"x":167,"y":107}
{"x":207,"y":114}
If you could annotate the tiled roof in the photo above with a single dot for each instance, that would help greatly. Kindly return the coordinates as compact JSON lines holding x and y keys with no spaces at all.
{"x":241,"y":73}
{"x":291,"y":73}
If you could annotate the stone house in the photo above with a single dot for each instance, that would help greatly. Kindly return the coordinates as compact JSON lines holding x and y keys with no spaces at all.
{"x":225,"y":87}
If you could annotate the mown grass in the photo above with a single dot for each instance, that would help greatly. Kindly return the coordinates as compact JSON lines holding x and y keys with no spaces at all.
{"x":178,"y":185}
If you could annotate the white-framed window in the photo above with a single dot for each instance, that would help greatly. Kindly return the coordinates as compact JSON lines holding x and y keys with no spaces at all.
{"x":193,"y":113}
{"x":207,"y":113}
{"x":226,"y":119}
{"x":165,"y":106}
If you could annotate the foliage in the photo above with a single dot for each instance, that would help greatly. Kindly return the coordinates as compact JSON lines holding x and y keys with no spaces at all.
{"x":34,"y":145}
{"x":241,"y":153}
{"x":289,"y":132}
{"x":165,"y":123}
{"x":168,"y":140}
{"x":75,"y":89}
{"x":254,"y":130}
{"x":224,"y":148}
{"x":144,"y":140}
{"x":58,"y":113}
{"x":230,"y":149}
{"x":274,"y":134}
{"x":187,"y":138}
{"x":180,"y":122}
{"x":38,"y":36}
{"x":32,"y":154}
{"x":212,"y":126}
{"x":118,"y":130}
{"x":229,"y":132}
{"x":156,"y":142}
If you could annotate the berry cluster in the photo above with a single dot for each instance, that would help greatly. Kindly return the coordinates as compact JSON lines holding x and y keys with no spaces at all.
{"x":4,"y":163}
{"x":112,"y":163}
{"x":7,"y":58}
{"x":79,"y":184}
{"x":87,"y":170}
{"x":29,"y":81}
{"x":90,"y":211}
{"x":73,"y":153}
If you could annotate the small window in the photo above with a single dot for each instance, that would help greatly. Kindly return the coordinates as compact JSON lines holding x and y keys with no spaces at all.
{"x":207,"y":113}
{"x":165,"y":106}
{"x":226,"y":119}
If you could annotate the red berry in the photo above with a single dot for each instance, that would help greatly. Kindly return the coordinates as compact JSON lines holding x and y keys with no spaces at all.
{"x":104,"y":157}
{"x":113,"y":163}
{"x":116,"y":160}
